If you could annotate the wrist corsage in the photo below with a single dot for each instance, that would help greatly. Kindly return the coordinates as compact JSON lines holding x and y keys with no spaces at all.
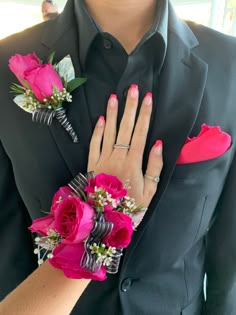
{"x":90,"y":222}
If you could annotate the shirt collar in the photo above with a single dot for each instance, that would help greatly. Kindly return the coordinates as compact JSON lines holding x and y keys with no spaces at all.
{"x":88,"y":28}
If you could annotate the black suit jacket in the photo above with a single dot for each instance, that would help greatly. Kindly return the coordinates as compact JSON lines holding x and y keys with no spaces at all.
{"x":189,"y":229}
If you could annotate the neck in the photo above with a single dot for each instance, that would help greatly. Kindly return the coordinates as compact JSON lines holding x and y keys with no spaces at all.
{"x":127,"y":20}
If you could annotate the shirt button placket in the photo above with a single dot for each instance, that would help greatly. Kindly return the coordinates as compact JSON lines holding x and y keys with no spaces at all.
{"x":125,"y":92}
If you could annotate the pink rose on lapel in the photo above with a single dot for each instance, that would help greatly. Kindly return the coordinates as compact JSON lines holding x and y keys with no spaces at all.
{"x":19,"y":64}
{"x":210,"y":143}
{"x":68,"y":259}
{"x":43,"y":80}
{"x":122,"y":231}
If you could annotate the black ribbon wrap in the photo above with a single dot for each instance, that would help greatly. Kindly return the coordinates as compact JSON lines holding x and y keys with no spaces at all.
{"x":79,"y":183}
{"x":100,"y":229}
{"x":45,"y":116}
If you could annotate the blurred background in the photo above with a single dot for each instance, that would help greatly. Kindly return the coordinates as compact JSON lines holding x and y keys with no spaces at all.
{"x":17,"y":15}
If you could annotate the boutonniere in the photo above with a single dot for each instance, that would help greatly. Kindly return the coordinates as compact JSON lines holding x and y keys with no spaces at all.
{"x":44,"y":88}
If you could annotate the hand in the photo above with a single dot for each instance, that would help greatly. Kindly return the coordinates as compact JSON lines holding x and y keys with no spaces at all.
{"x":126,"y":163}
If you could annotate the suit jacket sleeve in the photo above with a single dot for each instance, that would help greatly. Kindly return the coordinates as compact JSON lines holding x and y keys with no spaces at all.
{"x":17,"y":259}
{"x":221,"y":253}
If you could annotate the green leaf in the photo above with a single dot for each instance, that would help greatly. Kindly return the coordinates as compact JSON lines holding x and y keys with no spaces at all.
{"x":45,"y":212}
{"x":51,"y":57}
{"x":55,"y":89}
{"x":58,"y":105}
{"x":16,"y":88}
{"x":75,"y":83}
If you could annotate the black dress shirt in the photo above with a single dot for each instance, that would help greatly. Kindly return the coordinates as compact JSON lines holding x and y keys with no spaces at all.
{"x":110,"y":69}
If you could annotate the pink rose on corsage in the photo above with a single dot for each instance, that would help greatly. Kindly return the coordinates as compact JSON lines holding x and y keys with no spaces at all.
{"x":43,"y":81}
{"x":74,"y":220}
{"x":61,"y":194}
{"x":122,"y":231}
{"x":68,"y":259}
{"x":19,"y":64}
{"x":108,"y":183}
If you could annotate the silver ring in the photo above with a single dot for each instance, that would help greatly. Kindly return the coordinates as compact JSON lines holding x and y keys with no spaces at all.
{"x":121,"y":146}
{"x":155,"y":179}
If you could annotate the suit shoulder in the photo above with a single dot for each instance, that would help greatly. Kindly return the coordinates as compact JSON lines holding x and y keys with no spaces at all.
{"x":210,"y":40}
{"x":25,"y":41}
{"x":22,"y":38}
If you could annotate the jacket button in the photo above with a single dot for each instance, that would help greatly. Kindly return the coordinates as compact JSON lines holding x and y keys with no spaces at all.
{"x":126,"y":284}
{"x":107,"y":44}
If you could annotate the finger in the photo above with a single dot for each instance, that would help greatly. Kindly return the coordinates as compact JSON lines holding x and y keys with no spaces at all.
{"x":95,"y":144}
{"x":128,"y":119}
{"x":141,"y":129}
{"x":154,"y":167}
{"x":110,"y":128}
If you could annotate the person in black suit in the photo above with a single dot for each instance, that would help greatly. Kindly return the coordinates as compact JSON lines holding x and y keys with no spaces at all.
{"x":188,"y":232}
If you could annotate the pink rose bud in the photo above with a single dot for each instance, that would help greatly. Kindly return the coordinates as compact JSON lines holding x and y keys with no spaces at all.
{"x":122,"y":231}
{"x":42,"y":80}
{"x":43,"y":225}
{"x":19,"y":64}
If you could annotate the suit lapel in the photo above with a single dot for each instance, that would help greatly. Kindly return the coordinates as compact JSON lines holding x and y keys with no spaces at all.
{"x":177,"y":103}
{"x":61,"y":37}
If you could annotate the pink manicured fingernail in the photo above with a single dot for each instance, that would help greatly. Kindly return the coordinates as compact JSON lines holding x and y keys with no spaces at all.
{"x":133,"y":91}
{"x":113,"y":100}
{"x":113,"y":96}
{"x":101,"y":121}
{"x":148,"y":98}
{"x":158,"y":147}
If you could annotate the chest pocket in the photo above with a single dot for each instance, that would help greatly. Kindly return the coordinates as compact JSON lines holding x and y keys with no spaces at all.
{"x":194,"y":172}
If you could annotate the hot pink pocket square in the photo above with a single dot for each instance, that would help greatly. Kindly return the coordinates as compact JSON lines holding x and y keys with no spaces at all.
{"x":210,"y":143}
